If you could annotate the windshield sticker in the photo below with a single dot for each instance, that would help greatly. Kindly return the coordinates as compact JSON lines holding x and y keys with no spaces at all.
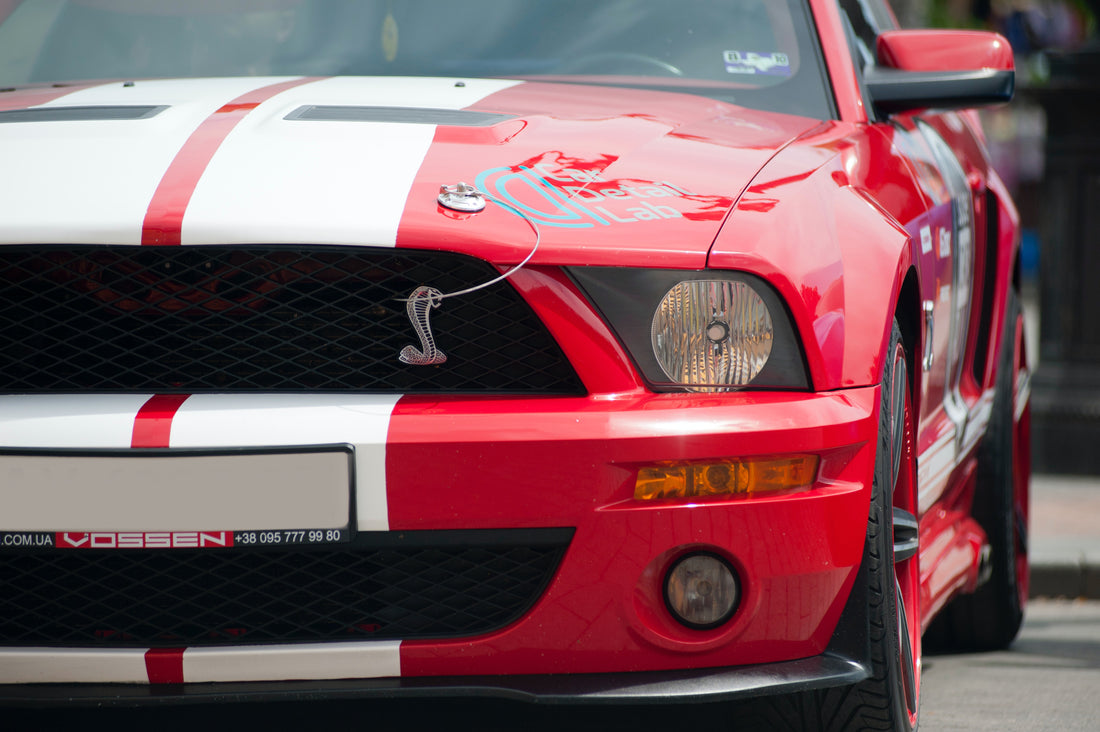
{"x":750,"y":62}
{"x":579,"y":199}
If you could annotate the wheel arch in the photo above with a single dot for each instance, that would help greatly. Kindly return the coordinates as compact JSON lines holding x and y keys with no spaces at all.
{"x":908,"y":315}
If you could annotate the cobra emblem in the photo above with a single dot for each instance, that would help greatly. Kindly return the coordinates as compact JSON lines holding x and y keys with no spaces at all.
{"x":419,"y":307}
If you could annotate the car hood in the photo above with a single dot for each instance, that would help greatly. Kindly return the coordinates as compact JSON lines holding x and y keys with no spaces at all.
{"x":597,"y":174}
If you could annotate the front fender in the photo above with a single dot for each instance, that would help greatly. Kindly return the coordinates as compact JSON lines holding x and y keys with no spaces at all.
{"x":821,"y":223}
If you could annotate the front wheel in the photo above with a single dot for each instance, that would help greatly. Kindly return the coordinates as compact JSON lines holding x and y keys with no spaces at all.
{"x":889,"y":699}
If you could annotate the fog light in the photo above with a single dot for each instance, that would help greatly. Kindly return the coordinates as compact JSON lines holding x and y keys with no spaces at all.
{"x":701,"y":591}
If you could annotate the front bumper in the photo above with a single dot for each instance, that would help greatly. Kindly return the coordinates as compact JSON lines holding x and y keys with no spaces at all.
{"x":669,"y":687}
{"x":489,"y":463}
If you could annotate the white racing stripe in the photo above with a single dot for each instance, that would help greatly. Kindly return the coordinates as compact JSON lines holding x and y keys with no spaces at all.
{"x":72,"y":666}
{"x":275,"y":180}
{"x":268,"y":420}
{"x":365,"y":660}
{"x":90,"y":182}
{"x":82,"y":421}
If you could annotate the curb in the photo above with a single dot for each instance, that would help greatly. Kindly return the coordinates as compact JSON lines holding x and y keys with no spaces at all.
{"x":1065,"y":579}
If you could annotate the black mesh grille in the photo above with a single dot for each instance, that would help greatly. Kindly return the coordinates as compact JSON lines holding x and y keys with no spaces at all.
{"x":173,"y":597}
{"x":193,"y":319}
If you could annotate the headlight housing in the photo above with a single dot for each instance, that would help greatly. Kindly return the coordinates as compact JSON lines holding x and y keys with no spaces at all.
{"x":706,"y":331}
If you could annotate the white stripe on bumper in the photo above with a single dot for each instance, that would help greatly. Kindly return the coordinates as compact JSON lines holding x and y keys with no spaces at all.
{"x":291,"y":662}
{"x":365,"y":660}
{"x":83,"y":421}
{"x":72,"y":666}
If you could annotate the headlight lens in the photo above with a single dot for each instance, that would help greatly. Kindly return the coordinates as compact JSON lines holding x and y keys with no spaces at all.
{"x":712,"y":334}
{"x":705,"y":330}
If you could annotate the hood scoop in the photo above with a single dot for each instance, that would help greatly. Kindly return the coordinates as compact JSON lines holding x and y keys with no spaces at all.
{"x":398,"y":115}
{"x":80,"y":114}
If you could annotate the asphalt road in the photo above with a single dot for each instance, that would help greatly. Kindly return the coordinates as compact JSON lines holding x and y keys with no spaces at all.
{"x":1048,"y":681}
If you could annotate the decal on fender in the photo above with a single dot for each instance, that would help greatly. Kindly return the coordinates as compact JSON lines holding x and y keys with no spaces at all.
{"x":925,"y":239}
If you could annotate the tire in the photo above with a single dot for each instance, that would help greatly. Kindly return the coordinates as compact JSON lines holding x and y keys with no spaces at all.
{"x":889,"y":700}
{"x":990,"y":618}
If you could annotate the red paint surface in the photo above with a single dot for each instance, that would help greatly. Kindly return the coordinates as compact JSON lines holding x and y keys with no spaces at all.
{"x":164,"y":665}
{"x":495,"y":462}
{"x":34,"y":96}
{"x":632,"y":176}
{"x":832,"y":29}
{"x":163,"y":224}
{"x":153,"y":423}
{"x":944,"y":50}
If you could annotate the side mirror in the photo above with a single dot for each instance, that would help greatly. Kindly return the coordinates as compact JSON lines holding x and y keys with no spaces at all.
{"x":941,"y":69}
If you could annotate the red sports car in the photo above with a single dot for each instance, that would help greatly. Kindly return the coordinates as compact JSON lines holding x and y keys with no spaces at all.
{"x":585,"y":351}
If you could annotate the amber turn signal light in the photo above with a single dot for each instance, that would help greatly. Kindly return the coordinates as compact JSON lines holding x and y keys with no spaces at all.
{"x":740,"y":478}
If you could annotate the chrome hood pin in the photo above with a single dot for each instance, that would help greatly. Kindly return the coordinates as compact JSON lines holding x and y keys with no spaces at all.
{"x":461,"y":197}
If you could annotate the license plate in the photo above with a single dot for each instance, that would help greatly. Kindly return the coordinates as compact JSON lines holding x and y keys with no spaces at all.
{"x":176,"y":499}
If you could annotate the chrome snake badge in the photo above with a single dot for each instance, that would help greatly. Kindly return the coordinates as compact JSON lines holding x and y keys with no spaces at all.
{"x":419,"y":307}
{"x":469,"y":200}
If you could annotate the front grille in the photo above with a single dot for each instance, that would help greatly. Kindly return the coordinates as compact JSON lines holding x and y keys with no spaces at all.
{"x":218,"y":319}
{"x":381,"y":586}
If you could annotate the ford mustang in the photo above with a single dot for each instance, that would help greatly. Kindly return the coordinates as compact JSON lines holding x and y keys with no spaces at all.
{"x":590,"y":351}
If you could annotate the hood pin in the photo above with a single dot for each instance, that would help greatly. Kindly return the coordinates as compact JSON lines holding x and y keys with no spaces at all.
{"x":461,"y":197}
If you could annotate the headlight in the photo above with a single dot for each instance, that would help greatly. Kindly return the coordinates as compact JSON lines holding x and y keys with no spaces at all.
{"x":712,"y":334}
{"x":698,"y":330}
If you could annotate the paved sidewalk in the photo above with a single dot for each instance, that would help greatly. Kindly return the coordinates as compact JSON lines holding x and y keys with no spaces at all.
{"x":1065,"y":536}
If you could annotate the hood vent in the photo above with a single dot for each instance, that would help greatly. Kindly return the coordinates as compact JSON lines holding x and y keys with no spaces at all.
{"x":398,"y":115}
{"x":80,"y":114}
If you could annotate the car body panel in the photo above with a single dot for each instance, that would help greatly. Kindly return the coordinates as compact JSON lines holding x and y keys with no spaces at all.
{"x":281,"y":173}
{"x":623,"y":616}
{"x":856,"y":222}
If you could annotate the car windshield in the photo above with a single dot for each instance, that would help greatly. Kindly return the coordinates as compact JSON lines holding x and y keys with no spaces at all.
{"x":756,"y":53}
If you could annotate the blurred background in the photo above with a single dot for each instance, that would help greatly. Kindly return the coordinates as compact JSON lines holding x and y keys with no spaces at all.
{"x":1046,"y":147}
